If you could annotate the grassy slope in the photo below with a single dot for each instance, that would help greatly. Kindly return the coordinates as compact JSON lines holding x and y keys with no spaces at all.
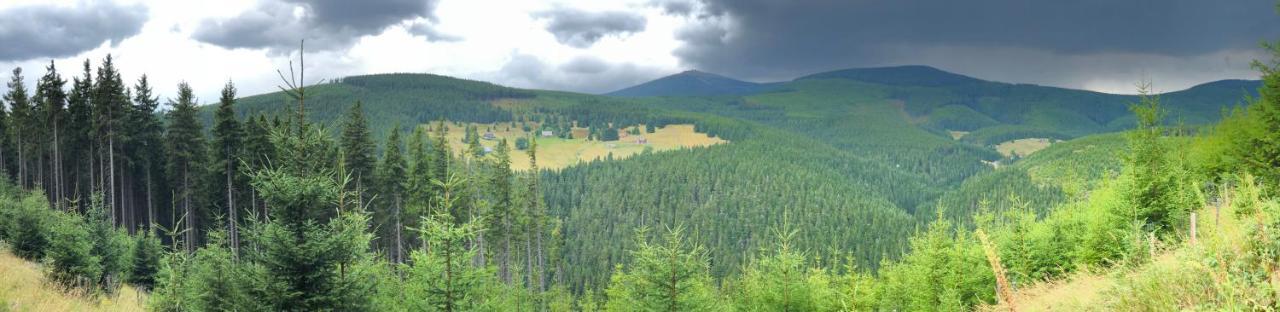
{"x":23,"y":288}
{"x":1182,"y":276}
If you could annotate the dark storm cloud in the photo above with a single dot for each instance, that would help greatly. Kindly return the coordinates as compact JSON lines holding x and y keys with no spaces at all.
{"x":674,"y":7}
{"x":325,"y":24}
{"x":581,"y":29}
{"x":786,"y":38}
{"x":55,"y":31}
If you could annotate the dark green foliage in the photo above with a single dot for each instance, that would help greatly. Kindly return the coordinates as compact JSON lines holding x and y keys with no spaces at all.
{"x":71,"y":258}
{"x":389,"y":215}
{"x":522,"y":143}
{"x":110,"y":246}
{"x":357,"y":152}
{"x":186,"y":155}
{"x":1157,"y":193}
{"x":313,"y":236}
{"x":26,"y":224}
{"x":407,"y":99}
{"x":226,"y":181}
{"x":146,"y":255}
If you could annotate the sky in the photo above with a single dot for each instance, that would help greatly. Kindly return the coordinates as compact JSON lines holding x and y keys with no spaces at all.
{"x":597,"y":46}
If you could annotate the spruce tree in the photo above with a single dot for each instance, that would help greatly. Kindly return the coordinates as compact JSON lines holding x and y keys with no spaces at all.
{"x":225,"y":159}
{"x":311,"y":249}
{"x":442,"y":277}
{"x":258,"y":153}
{"x":185,"y":150}
{"x":668,"y":275}
{"x":20,"y":112}
{"x":391,"y":176}
{"x":503,"y":219}
{"x":79,"y":136}
{"x":110,"y":104}
{"x":51,"y":102}
{"x":357,"y":152}
{"x":147,"y":132}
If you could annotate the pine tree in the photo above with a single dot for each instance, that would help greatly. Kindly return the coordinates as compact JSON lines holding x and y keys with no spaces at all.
{"x":148,"y":150}
{"x":258,"y":153}
{"x":51,"y":101}
{"x":310,"y":249}
{"x":110,"y":103}
{"x":442,"y":277}
{"x":1155,"y":194}
{"x":79,"y":136}
{"x":225,"y":157}
{"x":110,"y":246}
{"x":669,"y":275}
{"x":392,"y":187}
{"x":20,"y":121}
{"x":185,"y":150}
{"x":145,"y":258}
{"x":6,"y":149}
{"x":357,"y":152}
{"x":504,"y":214}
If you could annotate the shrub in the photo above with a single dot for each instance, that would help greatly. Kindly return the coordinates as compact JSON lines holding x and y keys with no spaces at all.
{"x":26,"y":225}
{"x":70,"y":254}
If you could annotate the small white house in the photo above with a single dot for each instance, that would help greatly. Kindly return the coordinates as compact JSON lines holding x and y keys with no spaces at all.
{"x":490,"y":136}
{"x":548,"y":133}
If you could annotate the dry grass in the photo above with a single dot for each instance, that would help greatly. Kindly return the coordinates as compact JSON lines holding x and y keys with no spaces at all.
{"x":23,"y":288}
{"x":555,"y":153}
{"x":1022,"y":147}
{"x":956,"y":135}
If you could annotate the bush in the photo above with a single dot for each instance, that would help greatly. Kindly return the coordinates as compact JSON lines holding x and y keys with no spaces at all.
{"x":71,"y":261}
{"x":146,"y":261}
{"x":26,"y":225}
{"x":522,"y":143}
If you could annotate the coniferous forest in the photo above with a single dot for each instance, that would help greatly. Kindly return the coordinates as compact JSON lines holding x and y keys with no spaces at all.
{"x":869,"y":189}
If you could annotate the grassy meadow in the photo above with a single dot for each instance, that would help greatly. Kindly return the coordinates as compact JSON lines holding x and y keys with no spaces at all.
{"x":24,"y":288}
{"x":557,"y":153}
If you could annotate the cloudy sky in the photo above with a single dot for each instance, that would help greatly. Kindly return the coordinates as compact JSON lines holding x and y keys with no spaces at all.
{"x":598,"y":46}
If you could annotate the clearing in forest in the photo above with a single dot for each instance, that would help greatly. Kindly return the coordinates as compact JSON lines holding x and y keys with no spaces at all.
{"x":23,"y":288}
{"x":1022,"y":147}
{"x":556,"y":153}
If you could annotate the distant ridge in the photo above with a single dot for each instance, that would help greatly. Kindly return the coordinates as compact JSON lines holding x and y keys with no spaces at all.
{"x":692,"y":83}
{"x":909,"y":75}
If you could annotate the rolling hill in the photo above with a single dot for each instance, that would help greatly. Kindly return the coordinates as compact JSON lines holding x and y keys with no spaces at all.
{"x":692,"y":83}
{"x":864,"y":147}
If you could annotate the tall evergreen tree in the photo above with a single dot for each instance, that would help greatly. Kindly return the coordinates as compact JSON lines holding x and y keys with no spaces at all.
{"x":357,"y":152}
{"x":225,"y":155}
{"x":147,"y":150}
{"x":80,"y":136}
{"x":258,"y":153}
{"x":51,"y":100}
{"x":185,"y":148}
{"x":20,"y":112}
{"x":110,"y":103}
{"x":392,"y":174}
{"x":504,"y":214}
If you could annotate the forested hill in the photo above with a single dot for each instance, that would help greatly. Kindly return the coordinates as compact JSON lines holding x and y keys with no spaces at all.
{"x":693,"y":83}
{"x":868,"y":147}
{"x":405,"y":99}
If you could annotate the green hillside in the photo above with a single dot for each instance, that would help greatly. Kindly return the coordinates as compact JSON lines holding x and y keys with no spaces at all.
{"x":692,"y":83}
{"x":866,"y":147}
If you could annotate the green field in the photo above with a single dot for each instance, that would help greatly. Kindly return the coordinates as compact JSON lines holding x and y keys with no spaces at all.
{"x":558,"y":153}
